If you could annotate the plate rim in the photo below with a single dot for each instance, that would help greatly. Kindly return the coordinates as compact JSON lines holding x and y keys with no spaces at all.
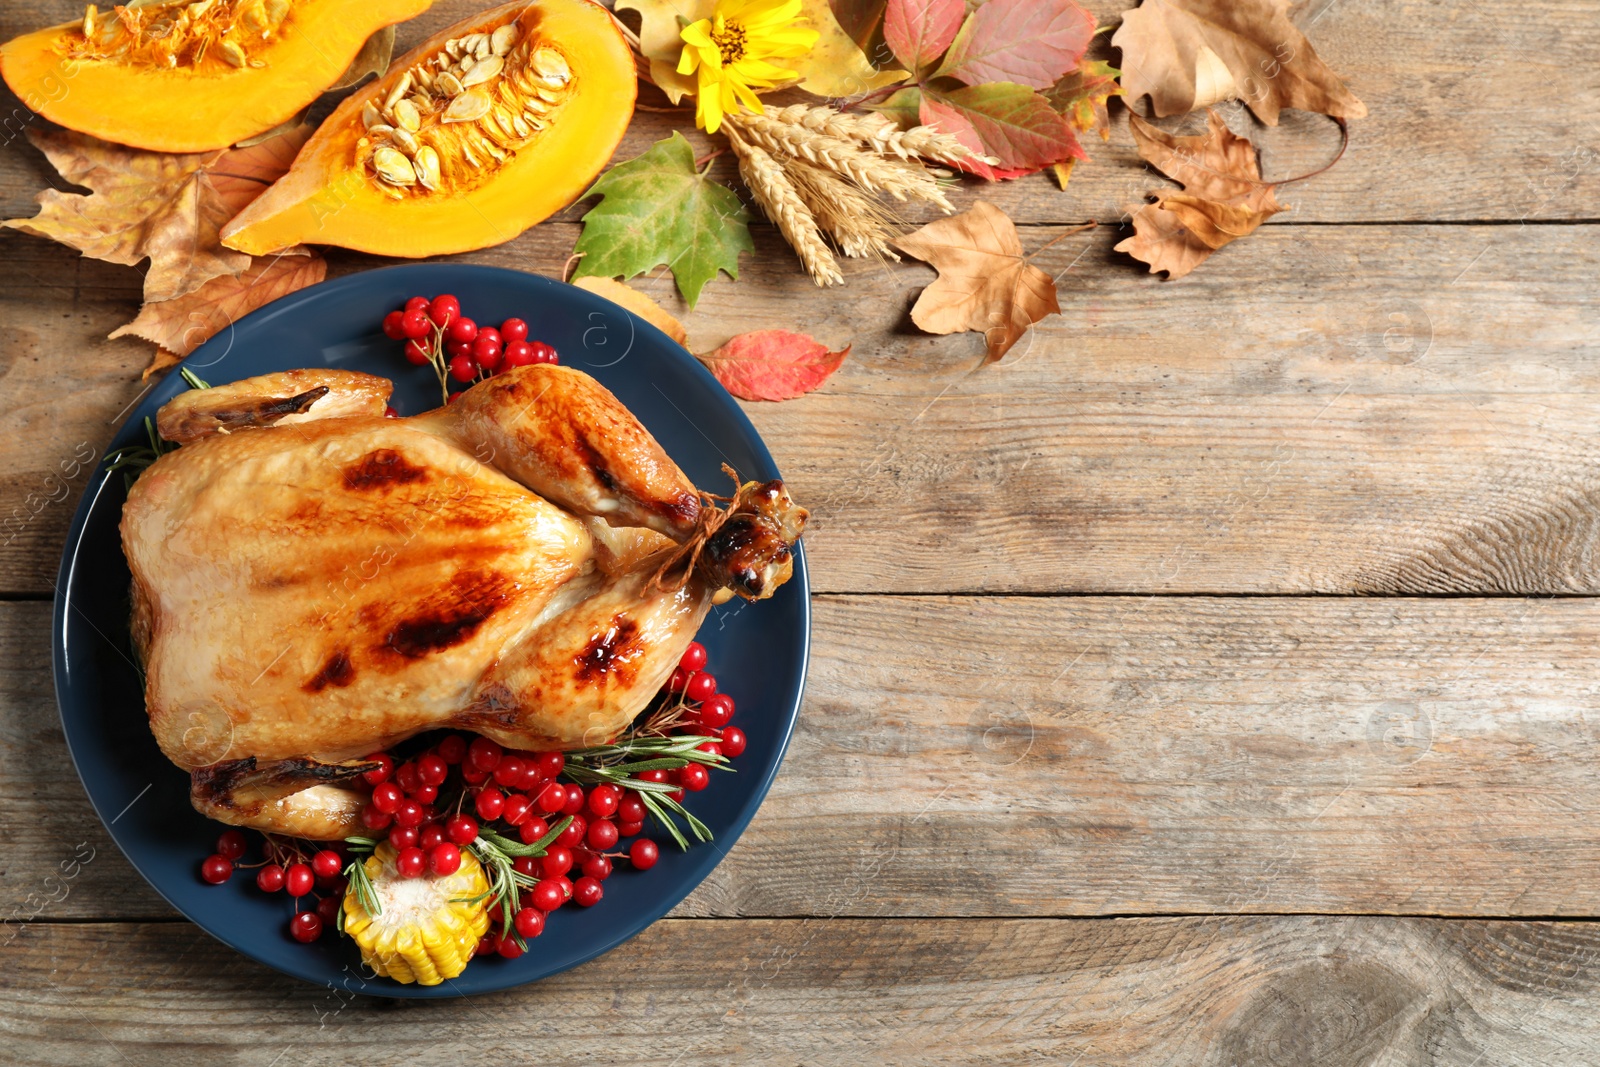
{"x":624,"y":931}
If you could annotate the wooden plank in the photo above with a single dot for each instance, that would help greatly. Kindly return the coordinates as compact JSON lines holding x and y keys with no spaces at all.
{"x":1332,"y":409}
{"x":1036,"y":756}
{"x":1451,"y":134}
{"x":1336,"y":992}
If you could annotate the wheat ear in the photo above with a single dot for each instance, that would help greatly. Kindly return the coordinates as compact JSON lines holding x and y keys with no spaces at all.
{"x":900,"y":180}
{"x":880,"y":133}
{"x":782,"y":204}
{"x":859,"y":224}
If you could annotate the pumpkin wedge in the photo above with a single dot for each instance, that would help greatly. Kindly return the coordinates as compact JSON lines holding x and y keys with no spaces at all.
{"x":192,"y":75}
{"x":483,"y":130}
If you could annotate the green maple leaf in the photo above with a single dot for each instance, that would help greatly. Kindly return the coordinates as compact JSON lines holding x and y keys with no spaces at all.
{"x":658,"y":209}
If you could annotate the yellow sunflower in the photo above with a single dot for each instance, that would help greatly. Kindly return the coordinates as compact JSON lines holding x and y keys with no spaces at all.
{"x":730,"y":53}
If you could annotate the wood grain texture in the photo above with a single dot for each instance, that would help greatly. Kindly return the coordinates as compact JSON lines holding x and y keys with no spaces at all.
{"x":1332,"y":410}
{"x":1455,"y":130}
{"x":1031,"y":756}
{"x":1260,"y":992}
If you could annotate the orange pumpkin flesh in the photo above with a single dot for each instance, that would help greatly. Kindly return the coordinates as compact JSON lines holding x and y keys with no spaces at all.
{"x":192,"y":76}
{"x":482,"y":153}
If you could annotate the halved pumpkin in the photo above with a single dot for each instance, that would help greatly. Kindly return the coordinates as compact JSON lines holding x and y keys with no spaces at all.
{"x":192,"y":75}
{"x":485,"y":129}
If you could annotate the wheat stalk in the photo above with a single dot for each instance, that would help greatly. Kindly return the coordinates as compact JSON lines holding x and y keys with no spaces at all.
{"x":900,"y":180}
{"x":880,"y":133}
{"x":783,"y":205}
{"x":859,"y":224}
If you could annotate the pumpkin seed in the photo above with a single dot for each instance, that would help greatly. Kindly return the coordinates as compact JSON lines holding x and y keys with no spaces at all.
{"x":426,"y":163}
{"x":468,"y":107}
{"x":534,"y":106}
{"x":407,"y":117}
{"x":504,"y":39}
{"x":258,"y":64}
{"x":483,"y":70}
{"x":547,"y":94}
{"x":448,"y":84}
{"x":466,"y":150}
{"x":465,"y":64}
{"x":551,"y":66}
{"x":88,"y":20}
{"x":381,"y":129}
{"x":422,"y":76}
{"x":393,"y":167}
{"x":369,"y":114}
{"x":521,"y":127}
{"x":406,"y":141}
{"x":232,"y":53}
{"x":400,"y":89}
{"x":277,"y":11}
{"x":483,"y":49}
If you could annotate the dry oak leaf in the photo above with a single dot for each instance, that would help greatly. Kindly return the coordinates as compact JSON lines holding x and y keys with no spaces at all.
{"x":180,"y":325}
{"x":641,"y":305}
{"x":984,"y":284}
{"x":1223,"y":196}
{"x":170,"y":208}
{"x":772,"y":364}
{"x":1189,"y":54}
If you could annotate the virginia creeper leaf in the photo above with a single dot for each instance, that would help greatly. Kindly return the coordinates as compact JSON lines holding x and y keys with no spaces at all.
{"x":1005,"y":120}
{"x":772,"y":364}
{"x":1029,"y":42}
{"x":919,"y":31}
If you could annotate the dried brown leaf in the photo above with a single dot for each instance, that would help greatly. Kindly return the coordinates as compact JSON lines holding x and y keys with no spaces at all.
{"x":1188,"y":54}
{"x":984,"y":284}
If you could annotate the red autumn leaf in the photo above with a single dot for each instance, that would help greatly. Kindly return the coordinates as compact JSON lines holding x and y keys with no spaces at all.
{"x":1029,"y":42}
{"x":918,"y":31}
{"x":772,"y":364}
{"x":1005,"y":120}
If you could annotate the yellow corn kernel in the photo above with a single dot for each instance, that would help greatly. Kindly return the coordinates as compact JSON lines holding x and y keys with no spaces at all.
{"x":423,"y":932}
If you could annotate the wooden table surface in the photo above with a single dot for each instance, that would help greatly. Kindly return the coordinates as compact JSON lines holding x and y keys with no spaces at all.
{"x":1214,"y":681}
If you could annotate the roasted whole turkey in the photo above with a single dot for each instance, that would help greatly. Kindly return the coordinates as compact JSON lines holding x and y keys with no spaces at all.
{"x":314,"y":582}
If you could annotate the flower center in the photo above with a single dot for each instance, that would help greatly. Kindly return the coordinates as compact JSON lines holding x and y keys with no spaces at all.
{"x":730,"y":41}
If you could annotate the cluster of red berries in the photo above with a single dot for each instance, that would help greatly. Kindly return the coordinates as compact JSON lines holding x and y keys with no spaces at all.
{"x":435,"y":331}
{"x":487,"y":784}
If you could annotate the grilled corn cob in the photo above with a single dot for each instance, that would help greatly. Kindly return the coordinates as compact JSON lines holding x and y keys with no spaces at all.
{"x":423,"y":932}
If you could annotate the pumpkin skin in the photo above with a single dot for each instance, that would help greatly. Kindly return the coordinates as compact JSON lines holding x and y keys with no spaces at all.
{"x":491,"y":179}
{"x":197,"y":104}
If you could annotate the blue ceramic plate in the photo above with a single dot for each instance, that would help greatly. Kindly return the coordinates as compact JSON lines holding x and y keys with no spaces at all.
{"x":758,"y":651}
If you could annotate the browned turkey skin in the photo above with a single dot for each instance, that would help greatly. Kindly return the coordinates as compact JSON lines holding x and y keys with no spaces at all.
{"x":313,"y":582}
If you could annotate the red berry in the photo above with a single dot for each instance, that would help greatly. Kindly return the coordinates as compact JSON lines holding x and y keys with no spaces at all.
{"x":514,"y":330}
{"x":711,"y":747}
{"x":602,"y":834}
{"x":417,"y":353}
{"x":373,"y":819}
{"x":458,"y":350}
{"x":491,"y":335}
{"x":391,"y":326}
{"x":462,"y":329}
{"x":414,"y":324}
{"x":552,"y":798}
{"x":694,"y":777}
{"x":587,"y":892}
{"x":328,"y":909}
{"x":543,"y":353}
{"x":733,"y":742}
{"x":529,"y":922}
{"x":519,"y":354}
{"x":527,"y":865}
{"x":716,"y":711}
{"x":425,"y":793}
{"x":298,"y":879}
{"x":575,"y":800}
{"x":231,"y":844}
{"x":679,"y":679}
{"x":556,"y":861}
{"x":597,"y":867}
{"x":306,"y":927}
{"x":462,"y":829}
{"x":326,"y":864}
{"x":403,"y":837}
{"x":643,"y":853}
{"x":453,"y":749}
{"x":411,"y":862}
{"x":700,"y":686}
{"x":405,"y":776}
{"x":530,"y":776}
{"x":509,"y":771}
{"x":387,"y":797}
{"x":676,"y":795}
{"x":517,"y":809}
{"x":444,"y":858}
{"x":390,"y":413}
{"x":550,"y":763}
{"x":484,"y":754}
{"x":486,"y":349}
{"x":432,"y":768}
{"x":489,"y":359}
{"x":430,"y":837}
{"x":409,"y":813}
{"x":631,"y":808}
{"x":444,"y":308}
{"x":490,"y":803}
{"x":628,"y":829}
{"x":565,"y":884}
{"x":381,"y":772}
{"x":652,"y":776}
{"x":472,"y":776}
{"x":604,"y":799}
{"x":462,"y":369}
{"x":269,"y":879}
{"x":532,"y":830}
{"x":573,"y":835}
{"x":548,"y":895}
{"x":216,"y":869}
{"x":488,"y":945}
{"x":508,"y":947}
{"x":417,"y":303}
{"x":694,"y":657}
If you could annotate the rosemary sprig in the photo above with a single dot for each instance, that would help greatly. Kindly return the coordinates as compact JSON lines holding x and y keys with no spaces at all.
{"x":194,"y":380}
{"x":505,"y":881}
{"x":360,"y":848}
{"x":136,"y":458}
{"x":617,"y":763}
